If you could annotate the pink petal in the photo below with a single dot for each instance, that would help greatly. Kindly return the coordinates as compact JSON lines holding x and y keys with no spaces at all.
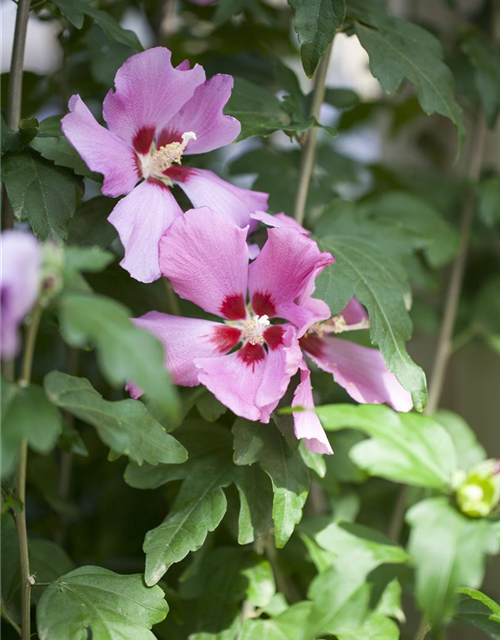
{"x":361,"y":371}
{"x":186,"y":339}
{"x":282,"y":362}
{"x":149,"y":91}
{"x":279,"y":220}
{"x":306,"y":423}
{"x":141,"y":218}
{"x":101,"y":150}
{"x":284,"y":271}
{"x":206,"y":259}
{"x":204,"y":188}
{"x":203,"y":114}
{"x":252,"y":381}
{"x":20,"y":282}
{"x":354,"y":312}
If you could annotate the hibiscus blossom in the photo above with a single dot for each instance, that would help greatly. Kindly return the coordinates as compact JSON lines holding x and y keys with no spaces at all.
{"x":248,"y":360}
{"x":155,"y":116}
{"x":21,"y":258}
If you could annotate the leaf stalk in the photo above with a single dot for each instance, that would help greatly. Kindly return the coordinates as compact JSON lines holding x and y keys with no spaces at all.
{"x":309,"y":147}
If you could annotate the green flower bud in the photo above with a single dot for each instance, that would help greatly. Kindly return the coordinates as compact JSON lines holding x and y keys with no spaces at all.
{"x":478,"y":492}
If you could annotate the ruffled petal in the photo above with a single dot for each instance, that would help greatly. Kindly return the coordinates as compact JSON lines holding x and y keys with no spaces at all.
{"x":186,"y":339}
{"x":206,"y":259}
{"x":252,"y":381}
{"x":149,"y":91}
{"x":204,"y":188}
{"x":203,"y":114}
{"x":283,"y":271}
{"x":361,"y":371}
{"x":102,"y":151}
{"x":306,"y":423}
{"x":279,"y":220}
{"x":20,"y":283}
{"x":141,"y":218}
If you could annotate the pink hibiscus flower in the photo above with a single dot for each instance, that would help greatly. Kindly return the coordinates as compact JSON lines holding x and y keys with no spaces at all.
{"x":247,"y":360}
{"x":21,"y":259}
{"x":156,"y":115}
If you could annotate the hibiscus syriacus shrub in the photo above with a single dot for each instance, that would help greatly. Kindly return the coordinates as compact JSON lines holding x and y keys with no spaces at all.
{"x":218,"y":235}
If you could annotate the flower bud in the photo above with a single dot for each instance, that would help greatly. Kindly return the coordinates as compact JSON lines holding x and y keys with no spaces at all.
{"x":479,"y":491}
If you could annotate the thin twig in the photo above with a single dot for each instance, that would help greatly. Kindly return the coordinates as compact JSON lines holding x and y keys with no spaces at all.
{"x":20,"y":516}
{"x":445,"y":346}
{"x":13,"y":112}
{"x":309,"y":147}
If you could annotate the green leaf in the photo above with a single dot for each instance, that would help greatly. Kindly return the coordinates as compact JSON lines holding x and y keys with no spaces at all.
{"x":315,"y":24}
{"x":420,"y":221}
{"x":469,"y":450}
{"x":375,"y":627}
{"x":260,"y":112}
{"x":256,"y":498}
{"x":26,"y":413}
{"x":125,"y":426}
{"x":400,"y":49}
{"x":76,"y":10}
{"x":216,"y":584}
{"x":254,"y":442}
{"x":485,"y":58}
{"x":343,"y":539}
{"x":448,"y":550}
{"x":106,"y":604}
{"x":209,"y":407}
{"x":210,"y":448}
{"x":198,"y":509}
{"x":39,"y":193}
{"x":125,"y":352}
{"x":53,"y":145}
{"x":112,"y":28}
{"x":15,"y":141}
{"x":477,"y":609}
{"x":287,"y":625}
{"x":404,"y":447}
{"x":89,"y":225}
{"x":379,"y":282}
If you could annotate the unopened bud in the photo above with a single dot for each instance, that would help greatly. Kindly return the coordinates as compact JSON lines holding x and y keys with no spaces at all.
{"x":478,"y":492}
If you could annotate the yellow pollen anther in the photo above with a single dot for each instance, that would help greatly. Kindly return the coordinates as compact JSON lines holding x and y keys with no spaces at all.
{"x":254,"y":328}
{"x":164,"y":157}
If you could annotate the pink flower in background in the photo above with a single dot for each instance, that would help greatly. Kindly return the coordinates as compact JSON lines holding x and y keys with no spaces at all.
{"x":156,"y":115}
{"x":246,"y":360}
{"x":19,"y":285}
